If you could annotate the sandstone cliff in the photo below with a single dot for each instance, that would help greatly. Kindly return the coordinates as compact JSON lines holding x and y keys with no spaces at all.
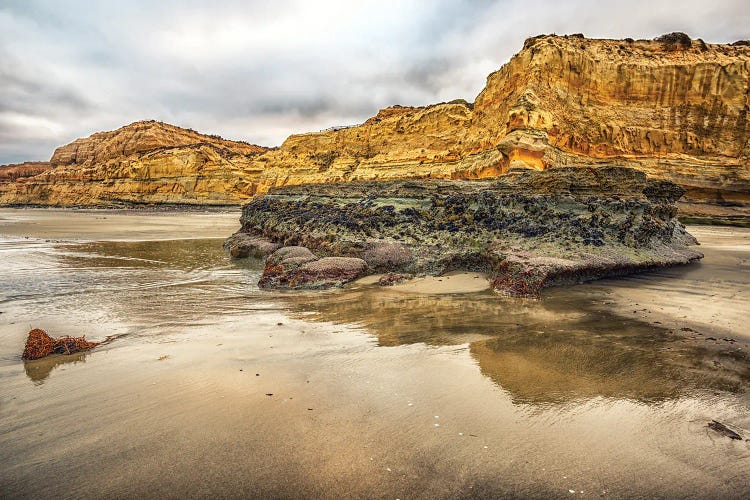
{"x":19,"y":171}
{"x":144,"y":162}
{"x":674,"y":108}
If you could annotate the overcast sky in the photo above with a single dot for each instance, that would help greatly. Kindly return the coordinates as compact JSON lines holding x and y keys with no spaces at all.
{"x":259,"y":71}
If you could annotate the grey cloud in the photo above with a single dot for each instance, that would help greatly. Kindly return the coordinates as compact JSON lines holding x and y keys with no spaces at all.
{"x":36,"y":96}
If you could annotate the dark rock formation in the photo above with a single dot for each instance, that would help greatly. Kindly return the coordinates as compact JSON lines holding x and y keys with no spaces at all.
{"x":298,"y":267}
{"x":723,"y":430}
{"x":675,"y":41}
{"x":242,"y":245}
{"x":391,"y":279}
{"x":528,"y":229}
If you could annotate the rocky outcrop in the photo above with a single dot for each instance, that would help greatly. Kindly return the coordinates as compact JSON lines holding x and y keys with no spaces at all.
{"x":145,"y":162}
{"x":241,"y":246}
{"x":674,"y":108}
{"x":298,"y":267}
{"x":528,"y":229}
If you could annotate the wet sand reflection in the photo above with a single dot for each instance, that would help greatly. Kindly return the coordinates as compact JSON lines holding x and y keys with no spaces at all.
{"x":39,"y":370}
{"x":543,"y":352}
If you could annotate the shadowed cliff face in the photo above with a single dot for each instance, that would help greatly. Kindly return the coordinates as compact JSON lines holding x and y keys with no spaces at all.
{"x":675,"y":109}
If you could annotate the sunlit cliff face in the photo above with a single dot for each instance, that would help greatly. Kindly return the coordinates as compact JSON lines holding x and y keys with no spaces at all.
{"x":675,"y":112}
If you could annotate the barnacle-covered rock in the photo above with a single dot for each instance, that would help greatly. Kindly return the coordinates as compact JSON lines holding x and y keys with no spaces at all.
{"x":298,"y":267}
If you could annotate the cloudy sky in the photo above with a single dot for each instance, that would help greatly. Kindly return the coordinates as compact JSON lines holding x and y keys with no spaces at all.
{"x":260,"y":70}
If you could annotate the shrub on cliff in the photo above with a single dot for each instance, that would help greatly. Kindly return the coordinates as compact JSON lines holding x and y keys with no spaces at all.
{"x":676,"y":40}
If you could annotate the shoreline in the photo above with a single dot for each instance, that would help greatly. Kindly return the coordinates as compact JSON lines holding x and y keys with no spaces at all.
{"x":136,"y":207}
{"x":116,"y":224}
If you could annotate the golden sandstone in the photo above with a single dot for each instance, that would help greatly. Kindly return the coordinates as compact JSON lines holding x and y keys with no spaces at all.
{"x":674,"y":108}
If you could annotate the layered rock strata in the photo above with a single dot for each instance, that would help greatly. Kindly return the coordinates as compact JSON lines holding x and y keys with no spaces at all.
{"x":144,"y":162}
{"x":19,"y":172}
{"x":528,"y":229}
{"x":674,"y":108}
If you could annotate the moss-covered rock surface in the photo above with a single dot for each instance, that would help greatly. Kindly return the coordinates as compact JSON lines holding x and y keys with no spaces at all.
{"x":527,"y":230}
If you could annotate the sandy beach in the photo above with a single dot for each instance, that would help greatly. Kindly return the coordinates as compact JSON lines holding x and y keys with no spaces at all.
{"x":209,"y":386}
{"x":117,"y":225}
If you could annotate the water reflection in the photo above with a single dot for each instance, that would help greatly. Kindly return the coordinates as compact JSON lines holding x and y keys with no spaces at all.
{"x":38,"y":370}
{"x":548,"y":351}
{"x":538,"y":368}
{"x":185,"y":255}
{"x":147,"y":286}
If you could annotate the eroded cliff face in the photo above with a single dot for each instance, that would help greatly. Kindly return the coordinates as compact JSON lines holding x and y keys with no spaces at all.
{"x":145,"y":162}
{"x":16,"y":172}
{"x":675,"y":108}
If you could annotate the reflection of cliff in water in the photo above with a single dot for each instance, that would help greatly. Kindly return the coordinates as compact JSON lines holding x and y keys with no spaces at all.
{"x":542,"y":351}
{"x":406,"y":318}
{"x":39,"y":369}
{"x":540,"y":367}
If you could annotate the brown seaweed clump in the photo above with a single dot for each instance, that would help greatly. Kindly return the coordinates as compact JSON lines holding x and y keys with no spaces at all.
{"x":39,"y":345}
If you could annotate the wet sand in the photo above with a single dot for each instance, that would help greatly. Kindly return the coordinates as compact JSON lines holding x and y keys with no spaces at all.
{"x":454,"y":282}
{"x":710,"y":296}
{"x":117,"y":225}
{"x":364,"y":392}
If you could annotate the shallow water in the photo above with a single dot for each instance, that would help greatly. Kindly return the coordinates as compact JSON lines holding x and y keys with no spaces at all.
{"x":600,"y":389}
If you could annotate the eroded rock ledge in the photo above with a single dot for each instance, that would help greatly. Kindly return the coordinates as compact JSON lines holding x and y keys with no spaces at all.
{"x":527,"y":230}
